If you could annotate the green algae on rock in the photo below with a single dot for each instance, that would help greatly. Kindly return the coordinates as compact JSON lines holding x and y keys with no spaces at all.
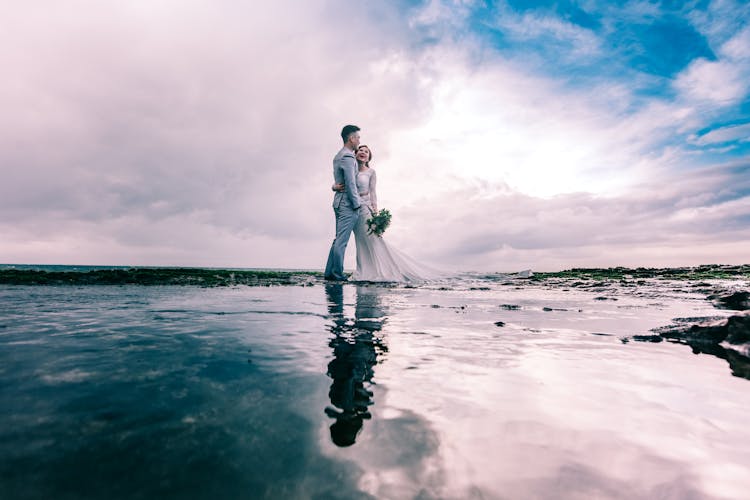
{"x":707,"y":271}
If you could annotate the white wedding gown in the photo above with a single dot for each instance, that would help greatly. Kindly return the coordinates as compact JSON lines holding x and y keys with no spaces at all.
{"x":377,"y":261}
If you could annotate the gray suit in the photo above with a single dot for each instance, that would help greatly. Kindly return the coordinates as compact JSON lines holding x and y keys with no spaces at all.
{"x":346,"y":206}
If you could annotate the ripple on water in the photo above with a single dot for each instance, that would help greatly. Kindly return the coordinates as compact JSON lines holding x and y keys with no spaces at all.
{"x":293,"y":392}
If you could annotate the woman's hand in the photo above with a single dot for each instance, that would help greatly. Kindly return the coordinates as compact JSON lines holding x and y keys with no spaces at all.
{"x":338,"y":187}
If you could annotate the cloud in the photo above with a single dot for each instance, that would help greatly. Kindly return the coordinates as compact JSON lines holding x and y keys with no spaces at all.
{"x":718,"y":82}
{"x":545,"y":28}
{"x":730,"y":133}
{"x":208,"y":115}
{"x":201,"y":133}
{"x":498,"y":123}
{"x":722,"y":82}
{"x":718,"y":20}
{"x":675,"y":223}
{"x":738,"y":47}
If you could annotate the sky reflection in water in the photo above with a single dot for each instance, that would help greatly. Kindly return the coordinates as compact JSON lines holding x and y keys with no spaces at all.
{"x":358,"y":391}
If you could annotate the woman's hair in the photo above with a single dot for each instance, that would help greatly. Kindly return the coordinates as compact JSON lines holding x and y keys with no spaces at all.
{"x":369,"y":153}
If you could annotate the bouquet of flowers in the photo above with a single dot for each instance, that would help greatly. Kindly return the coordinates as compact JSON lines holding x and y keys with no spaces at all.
{"x":378,"y":223}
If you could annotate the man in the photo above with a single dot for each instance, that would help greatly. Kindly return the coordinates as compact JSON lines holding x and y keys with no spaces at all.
{"x":346,"y":204}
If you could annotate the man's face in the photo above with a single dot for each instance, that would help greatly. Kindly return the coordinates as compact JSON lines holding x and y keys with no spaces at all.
{"x":354,"y":139}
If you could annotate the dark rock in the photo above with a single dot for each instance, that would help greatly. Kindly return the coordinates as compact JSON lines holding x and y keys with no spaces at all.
{"x":499,"y":323}
{"x":510,"y":307}
{"x":739,"y":364}
{"x":717,"y":338}
{"x":737,"y":301}
{"x":699,"y":319}
{"x":738,"y":330}
{"x":734,"y":330}
{"x":648,"y":338}
{"x":156,"y":276}
{"x":704,"y":272}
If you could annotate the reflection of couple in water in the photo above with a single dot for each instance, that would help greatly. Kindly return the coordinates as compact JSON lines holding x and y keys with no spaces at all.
{"x":356,"y":346}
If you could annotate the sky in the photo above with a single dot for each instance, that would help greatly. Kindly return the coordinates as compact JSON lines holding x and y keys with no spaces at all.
{"x":506,"y":135}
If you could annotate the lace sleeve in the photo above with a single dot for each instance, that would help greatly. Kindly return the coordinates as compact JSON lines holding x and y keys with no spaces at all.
{"x":373,"y":193}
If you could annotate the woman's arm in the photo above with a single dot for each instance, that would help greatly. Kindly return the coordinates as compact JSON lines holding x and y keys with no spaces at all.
{"x":373,"y":194}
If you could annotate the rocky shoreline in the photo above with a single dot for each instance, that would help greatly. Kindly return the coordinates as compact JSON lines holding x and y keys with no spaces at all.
{"x":158,"y":276}
{"x":706,"y":271}
{"x":725,"y":286}
{"x":576,"y":277}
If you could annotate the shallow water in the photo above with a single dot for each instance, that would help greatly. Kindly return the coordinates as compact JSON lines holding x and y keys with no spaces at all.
{"x":364,"y":391}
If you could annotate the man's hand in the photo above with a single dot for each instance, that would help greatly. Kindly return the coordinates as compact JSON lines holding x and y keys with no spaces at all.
{"x":338,"y":187}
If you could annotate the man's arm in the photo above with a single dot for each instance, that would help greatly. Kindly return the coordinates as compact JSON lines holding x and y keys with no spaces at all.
{"x":349,"y":166}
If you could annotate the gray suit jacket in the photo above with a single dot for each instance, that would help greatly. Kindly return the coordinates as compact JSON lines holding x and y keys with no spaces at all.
{"x":345,"y":172}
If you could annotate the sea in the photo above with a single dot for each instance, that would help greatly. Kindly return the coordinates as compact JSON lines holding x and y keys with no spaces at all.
{"x":478,"y":387}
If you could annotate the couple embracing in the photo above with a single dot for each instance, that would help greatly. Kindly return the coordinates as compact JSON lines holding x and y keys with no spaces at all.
{"x":354,"y":202}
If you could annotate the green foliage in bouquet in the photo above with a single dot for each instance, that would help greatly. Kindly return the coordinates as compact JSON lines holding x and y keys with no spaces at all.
{"x":379,"y":222}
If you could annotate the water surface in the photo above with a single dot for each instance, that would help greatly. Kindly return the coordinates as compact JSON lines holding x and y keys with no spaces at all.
{"x":463,"y":391}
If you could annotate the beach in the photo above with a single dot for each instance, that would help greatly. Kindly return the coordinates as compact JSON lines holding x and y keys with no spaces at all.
{"x":196,"y":383}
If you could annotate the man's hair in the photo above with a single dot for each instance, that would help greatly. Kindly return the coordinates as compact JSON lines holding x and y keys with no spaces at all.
{"x":347,"y":131}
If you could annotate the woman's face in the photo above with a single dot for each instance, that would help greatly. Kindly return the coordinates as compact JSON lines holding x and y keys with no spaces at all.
{"x":363,"y":154}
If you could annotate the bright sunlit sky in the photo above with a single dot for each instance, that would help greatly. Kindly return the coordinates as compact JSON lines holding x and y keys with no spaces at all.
{"x":506,"y":135}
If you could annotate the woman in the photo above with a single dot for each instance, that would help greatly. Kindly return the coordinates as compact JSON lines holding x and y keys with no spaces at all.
{"x":376,"y":261}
